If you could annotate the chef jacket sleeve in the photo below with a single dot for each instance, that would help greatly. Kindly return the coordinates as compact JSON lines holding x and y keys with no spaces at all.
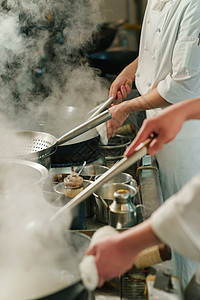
{"x":177,"y":221}
{"x":184,"y":80}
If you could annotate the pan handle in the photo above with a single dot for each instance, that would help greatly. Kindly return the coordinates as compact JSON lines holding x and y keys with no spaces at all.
{"x":118,"y":167}
{"x":91,"y":123}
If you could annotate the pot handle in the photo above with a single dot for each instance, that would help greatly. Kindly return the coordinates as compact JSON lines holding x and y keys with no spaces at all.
{"x":140,"y":208}
{"x":104,"y":202}
{"x":91,"y":123}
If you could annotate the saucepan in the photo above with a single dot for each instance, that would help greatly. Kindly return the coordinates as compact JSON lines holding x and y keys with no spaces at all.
{"x":39,"y":146}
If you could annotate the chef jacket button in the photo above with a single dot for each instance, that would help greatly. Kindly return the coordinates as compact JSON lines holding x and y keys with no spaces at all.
{"x":145,"y":48}
{"x":158,"y":30}
{"x":137,"y":75}
{"x":148,"y":84}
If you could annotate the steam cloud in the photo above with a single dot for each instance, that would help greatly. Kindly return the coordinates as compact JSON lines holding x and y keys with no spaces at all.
{"x":40,"y":59}
{"x":39,"y":69}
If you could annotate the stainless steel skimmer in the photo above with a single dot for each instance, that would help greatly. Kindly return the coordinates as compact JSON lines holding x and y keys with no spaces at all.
{"x":36,"y":145}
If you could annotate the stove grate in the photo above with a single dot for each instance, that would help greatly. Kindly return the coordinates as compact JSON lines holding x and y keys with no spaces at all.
{"x":133,"y":288}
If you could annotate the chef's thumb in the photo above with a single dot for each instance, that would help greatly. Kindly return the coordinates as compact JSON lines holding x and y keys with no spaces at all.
{"x":91,"y":251}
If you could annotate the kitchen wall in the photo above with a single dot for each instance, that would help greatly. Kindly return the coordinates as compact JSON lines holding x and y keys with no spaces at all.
{"x":133,"y":11}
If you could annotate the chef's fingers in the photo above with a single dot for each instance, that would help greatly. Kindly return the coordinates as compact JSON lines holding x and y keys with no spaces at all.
{"x":119,"y":97}
{"x":128,"y":86}
{"x":113,"y":91}
{"x":123,"y":91}
{"x":155,"y":146}
{"x":163,"y":137}
{"x":91,"y":251}
{"x":110,"y":131}
{"x":141,"y":137}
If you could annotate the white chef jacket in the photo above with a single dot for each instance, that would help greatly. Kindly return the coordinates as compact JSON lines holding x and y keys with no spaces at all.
{"x":169,"y":59}
{"x":177,"y":221}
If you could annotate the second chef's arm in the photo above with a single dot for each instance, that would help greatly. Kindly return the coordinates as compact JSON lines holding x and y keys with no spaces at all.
{"x":165,"y":125}
{"x":121,"y":111}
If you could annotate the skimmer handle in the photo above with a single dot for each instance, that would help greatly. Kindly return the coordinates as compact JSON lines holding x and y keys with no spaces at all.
{"x":91,"y":123}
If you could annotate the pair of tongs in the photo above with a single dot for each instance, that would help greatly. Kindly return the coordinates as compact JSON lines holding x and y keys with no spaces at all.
{"x":118,"y":167}
{"x":101,"y":108}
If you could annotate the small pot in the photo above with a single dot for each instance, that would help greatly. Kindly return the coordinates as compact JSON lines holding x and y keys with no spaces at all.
{"x":122,"y":178}
{"x":104,"y":197}
{"x":62,"y":199}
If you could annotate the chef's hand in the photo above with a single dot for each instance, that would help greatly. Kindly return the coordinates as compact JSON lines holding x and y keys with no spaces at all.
{"x":164,"y":127}
{"x":121,"y":86}
{"x":112,"y":258}
{"x":119,"y":115}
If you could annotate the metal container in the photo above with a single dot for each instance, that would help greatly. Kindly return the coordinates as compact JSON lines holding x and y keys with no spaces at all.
{"x":122,"y":212}
{"x":89,"y":172}
{"x":121,"y":178}
{"x":18,"y":175}
{"x":104,"y":197}
{"x":61,"y":199}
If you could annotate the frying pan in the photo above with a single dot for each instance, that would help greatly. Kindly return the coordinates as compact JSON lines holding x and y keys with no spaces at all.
{"x":35,"y":145}
{"x":67,"y":263}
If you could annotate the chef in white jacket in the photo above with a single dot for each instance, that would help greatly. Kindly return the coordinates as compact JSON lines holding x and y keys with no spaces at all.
{"x":176,"y":222}
{"x":167,"y":71}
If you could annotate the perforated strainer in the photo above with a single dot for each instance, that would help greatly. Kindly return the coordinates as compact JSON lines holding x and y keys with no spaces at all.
{"x":36,"y":145}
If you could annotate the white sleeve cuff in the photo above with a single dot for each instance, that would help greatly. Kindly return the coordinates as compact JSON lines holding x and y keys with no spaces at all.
{"x":174,"y":91}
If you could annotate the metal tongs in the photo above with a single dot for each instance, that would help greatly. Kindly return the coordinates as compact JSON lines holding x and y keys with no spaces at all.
{"x":120,"y":166}
{"x":101,"y":108}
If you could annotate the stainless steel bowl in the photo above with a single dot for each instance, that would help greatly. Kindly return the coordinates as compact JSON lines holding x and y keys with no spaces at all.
{"x":16,"y":175}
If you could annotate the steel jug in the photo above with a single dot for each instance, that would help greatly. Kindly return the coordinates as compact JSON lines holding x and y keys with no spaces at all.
{"x":122,"y":212}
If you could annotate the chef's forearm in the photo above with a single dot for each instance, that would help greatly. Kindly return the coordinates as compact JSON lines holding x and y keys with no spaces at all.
{"x":148,"y":101}
{"x":139,"y":237}
{"x":190,"y":109}
{"x":131,"y":69}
